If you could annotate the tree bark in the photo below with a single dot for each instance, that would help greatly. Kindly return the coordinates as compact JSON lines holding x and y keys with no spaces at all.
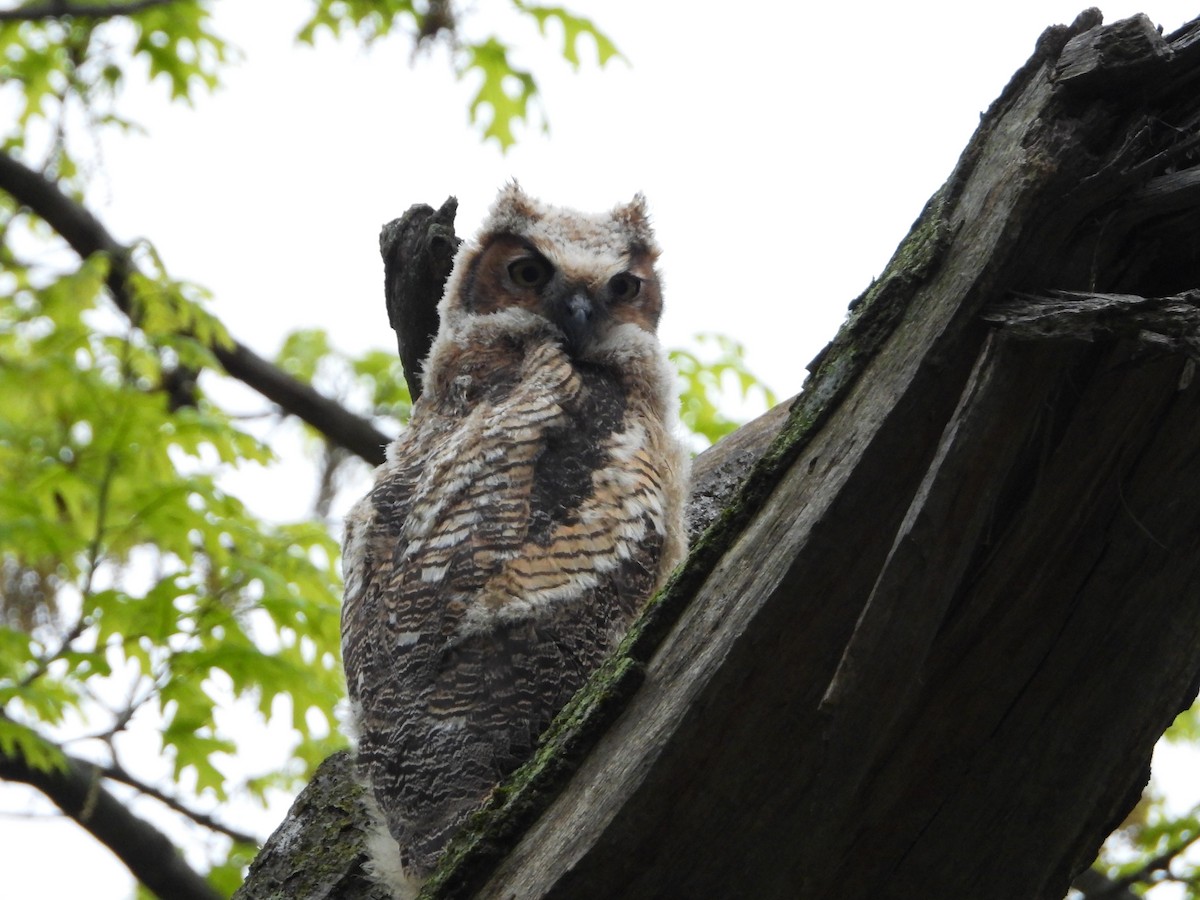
{"x":418,"y":253}
{"x":948,"y":602}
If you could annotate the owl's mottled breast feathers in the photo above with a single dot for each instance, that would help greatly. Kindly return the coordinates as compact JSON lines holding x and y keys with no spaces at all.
{"x":528,"y":511}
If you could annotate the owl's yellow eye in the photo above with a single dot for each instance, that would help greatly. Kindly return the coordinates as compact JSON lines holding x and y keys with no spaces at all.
{"x":624,"y":286}
{"x":529,"y":272}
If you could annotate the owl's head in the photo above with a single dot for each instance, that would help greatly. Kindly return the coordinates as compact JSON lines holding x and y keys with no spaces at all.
{"x":587,"y":275}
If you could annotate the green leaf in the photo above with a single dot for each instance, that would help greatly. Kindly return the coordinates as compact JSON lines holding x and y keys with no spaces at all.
{"x":371,"y":19}
{"x":707,"y":377}
{"x":573,"y":27}
{"x":1186,"y":727}
{"x":384,"y":375}
{"x":194,"y":748}
{"x":17,"y":740}
{"x":302,"y":353}
{"x":228,"y":876}
{"x":506,"y":90}
{"x":180,"y":47}
{"x":16,"y":658}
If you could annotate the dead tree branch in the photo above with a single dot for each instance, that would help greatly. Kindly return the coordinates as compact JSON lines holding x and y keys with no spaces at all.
{"x":418,"y":253}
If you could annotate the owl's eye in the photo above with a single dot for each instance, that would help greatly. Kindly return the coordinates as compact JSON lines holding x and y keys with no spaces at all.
{"x":624,"y":286}
{"x":529,"y":272}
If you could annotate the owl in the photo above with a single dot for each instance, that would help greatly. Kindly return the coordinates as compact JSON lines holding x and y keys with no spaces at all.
{"x":520,"y":522}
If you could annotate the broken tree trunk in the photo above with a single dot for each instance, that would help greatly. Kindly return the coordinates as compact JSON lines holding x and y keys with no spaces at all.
{"x":928,"y":642}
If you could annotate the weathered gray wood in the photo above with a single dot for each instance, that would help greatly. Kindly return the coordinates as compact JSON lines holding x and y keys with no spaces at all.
{"x":1162,"y":323}
{"x":718,"y":472}
{"x":1125,"y":51}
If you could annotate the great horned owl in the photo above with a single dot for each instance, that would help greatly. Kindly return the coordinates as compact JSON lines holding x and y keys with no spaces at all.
{"x":524,"y":517}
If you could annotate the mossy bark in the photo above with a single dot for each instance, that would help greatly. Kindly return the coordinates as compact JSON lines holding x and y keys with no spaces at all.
{"x":318,"y":851}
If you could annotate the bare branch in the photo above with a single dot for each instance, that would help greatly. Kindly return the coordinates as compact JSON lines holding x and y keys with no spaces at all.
{"x":87,"y":235}
{"x":1160,"y":863}
{"x":146,"y":851}
{"x":118,"y":773}
{"x":55,"y":9}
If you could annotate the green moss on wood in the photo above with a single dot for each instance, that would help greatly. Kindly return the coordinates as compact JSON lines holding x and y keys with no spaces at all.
{"x":316,"y":855}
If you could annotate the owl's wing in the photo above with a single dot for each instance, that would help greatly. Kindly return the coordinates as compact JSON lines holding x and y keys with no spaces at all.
{"x":472,"y":505}
{"x":448,"y":510}
{"x":368,"y":547}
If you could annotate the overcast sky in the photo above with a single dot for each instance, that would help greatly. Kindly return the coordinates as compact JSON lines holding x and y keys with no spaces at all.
{"x":784,"y":149}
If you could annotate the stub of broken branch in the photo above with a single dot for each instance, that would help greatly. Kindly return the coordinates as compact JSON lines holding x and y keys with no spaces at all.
{"x":1168,"y":324}
{"x":1125,"y":51}
{"x":418,"y":253}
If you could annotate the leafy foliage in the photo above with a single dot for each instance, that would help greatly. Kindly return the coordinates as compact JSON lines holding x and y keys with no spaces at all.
{"x":52,"y":68}
{"x":507,"y":94}
{"x":372,"y":19}
{"x":710,"y":379}
{"x":573,"y":27}
{"x":1186,"y":727}
{"x":1157,"y":844}
{"x":135,"y":585}
{"x":373,"y":381}
{"x":506,"y":90}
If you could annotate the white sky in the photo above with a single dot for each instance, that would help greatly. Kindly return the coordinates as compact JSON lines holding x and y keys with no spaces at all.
{"x":785,"y":149}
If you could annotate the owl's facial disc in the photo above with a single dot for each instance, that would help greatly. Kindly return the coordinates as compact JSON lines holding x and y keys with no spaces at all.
{"x":584,"y":293}
{"x":568,"y":304}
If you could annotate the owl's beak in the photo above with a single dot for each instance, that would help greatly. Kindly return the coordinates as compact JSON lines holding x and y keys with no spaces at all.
{"x":574,"y":317}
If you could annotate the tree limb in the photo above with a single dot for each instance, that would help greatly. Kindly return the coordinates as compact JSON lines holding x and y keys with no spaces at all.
{"x":323,"y":858}
{"x":86,"y":235}
{"x":120,"y":774}
{"x":55,"y":9}
{"x":147,"y":852}
{"x":1161,"y":323}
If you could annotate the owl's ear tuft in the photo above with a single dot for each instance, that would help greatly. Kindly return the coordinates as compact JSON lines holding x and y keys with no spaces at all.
{"x":634,"y":219}
{"x":512,"y":205}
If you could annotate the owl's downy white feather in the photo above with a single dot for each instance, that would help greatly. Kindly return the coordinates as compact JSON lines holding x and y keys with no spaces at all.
{"x":530,"y":509}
